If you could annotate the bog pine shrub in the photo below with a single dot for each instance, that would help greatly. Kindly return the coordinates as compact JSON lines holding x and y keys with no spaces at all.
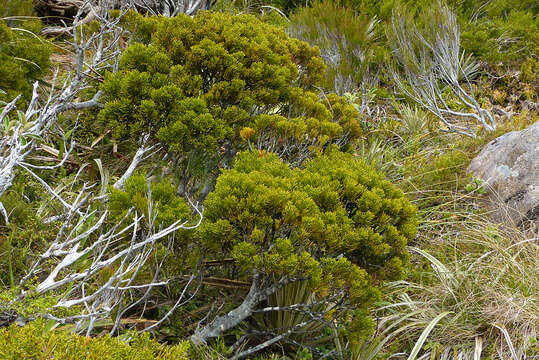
{"x":336,"y":222}
{"x":210,"y":83}
{"x":34,"y":341}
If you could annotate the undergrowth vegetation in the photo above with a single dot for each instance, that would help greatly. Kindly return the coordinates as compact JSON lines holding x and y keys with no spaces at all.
{"x":38,"y":341}
{"x":24,"y":58}
{"x":272,"y":179}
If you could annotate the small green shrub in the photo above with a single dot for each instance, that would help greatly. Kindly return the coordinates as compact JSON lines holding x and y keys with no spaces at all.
{"x":25,"y":233}
{"x":338,"y":223}
{"x":502,"y":32}
{"x":24,"y":58}
{"x":414,"y":121}
{"x":16,"y":8}
{"x":376,"y":152}
{"x":529,"y":71}
{"x":289,"y":5}
{"x":378,"y":8}
{"x":35,"y":341}
{"x":475,"y":186}
{"x":170,"y":207}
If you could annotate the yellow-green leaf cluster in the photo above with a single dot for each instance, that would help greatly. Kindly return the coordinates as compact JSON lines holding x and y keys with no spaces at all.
{"x":194,"y":83}
{"x":136,"y":194}
{"x":34,"y":341}
{"x":336,"y":222}
{"x":24,"y":58}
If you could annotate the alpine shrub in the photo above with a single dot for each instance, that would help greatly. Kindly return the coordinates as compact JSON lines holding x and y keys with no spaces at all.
{"x":337,"y":223}
{"x":196,"y":83}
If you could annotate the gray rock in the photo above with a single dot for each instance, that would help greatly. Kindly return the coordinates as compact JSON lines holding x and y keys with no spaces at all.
{"x":509,"y":168}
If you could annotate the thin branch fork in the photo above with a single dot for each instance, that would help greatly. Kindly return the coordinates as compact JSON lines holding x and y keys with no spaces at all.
{"x":140,"y":155}
{"x":261,"y":289}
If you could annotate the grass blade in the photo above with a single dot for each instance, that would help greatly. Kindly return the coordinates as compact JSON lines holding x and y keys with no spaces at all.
{"x":478,"y":348}
{"x":423,"y":337}
{"x":438,"y":266}
{"x":508,"y":339}
{"x":104,"y":176}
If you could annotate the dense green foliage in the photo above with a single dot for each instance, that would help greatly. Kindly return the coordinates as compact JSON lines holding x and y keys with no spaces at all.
{"x":336,"y":222}
{"x":195,"y":83}
{"x":24,"y":58}
{"x":501,"y":30}
{"x":37,"y":341}
{"x":135,"y":194}
{"x":16,"y":8}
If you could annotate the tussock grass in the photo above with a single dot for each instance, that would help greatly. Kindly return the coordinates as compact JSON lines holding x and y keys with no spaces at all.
{"x":473,"y":287}
{"x":482,"y":276}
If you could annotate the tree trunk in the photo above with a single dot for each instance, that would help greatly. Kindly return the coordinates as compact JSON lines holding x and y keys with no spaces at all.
{"x":257,"y":293}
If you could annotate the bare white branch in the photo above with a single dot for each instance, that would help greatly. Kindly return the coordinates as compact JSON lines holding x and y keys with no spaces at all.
{"x":105,"y":249}
{"x":432,"y":62}
{"x":21,"y":138}
{"x":140,"y":155}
